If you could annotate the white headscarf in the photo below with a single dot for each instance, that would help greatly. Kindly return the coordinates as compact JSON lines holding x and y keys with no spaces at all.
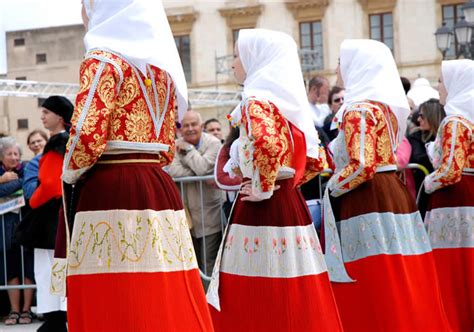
{"x":422,"y":91}
{"x":139,"y":31}
{"x":458,"y":78}
{"x":271,"y":62}
{"x":370,"y":73}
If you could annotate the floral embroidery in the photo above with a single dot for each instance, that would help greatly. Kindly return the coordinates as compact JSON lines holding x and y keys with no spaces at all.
{"x":451,"y":159}
{"x":266,"y":136}
{"x":106,"y":89}
{"x":383,"y":233}
{"x":138,"y":123}
{"x":252,"y":247}
{"x":377,"y":144}
{"x":315,"y":166}
{"x":118,"y":117}
{"x":119,"y":240}
{"x":272,"y":251}
{"x":58,"y":277}
{"x":279,"y":245}
{"x":451,"y":227}
{"x":305,"y":243}
{"x":80,"y":157}
{"x":87,"y":74}
{"x":129,"y":91}
{"x":265,"y":145}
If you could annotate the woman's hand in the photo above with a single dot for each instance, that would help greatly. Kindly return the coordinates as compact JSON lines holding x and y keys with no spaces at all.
{"x":8,"y":176}
{"x":249,"y":196}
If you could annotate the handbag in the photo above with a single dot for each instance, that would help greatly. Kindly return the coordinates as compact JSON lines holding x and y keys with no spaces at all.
{"x":38,"y":228}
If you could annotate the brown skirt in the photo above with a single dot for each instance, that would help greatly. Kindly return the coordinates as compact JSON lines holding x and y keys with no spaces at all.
{"x":384,"y":193}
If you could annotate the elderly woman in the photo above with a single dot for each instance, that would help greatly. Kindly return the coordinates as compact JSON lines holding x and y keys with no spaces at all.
{"x":11,"y":175}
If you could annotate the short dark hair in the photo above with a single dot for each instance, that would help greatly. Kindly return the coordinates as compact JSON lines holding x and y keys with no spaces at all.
{"x":211,"y":121}
{"x":406,"y":84}
{"x":232,"y":136}
{"x":317,"y":81}
{"x":334,"y":90}
{"x":34,"y":132}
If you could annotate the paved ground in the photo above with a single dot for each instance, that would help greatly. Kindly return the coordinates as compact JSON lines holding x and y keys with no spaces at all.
{"x":20,"y":328}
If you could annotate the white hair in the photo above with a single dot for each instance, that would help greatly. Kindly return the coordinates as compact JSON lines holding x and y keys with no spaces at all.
{"x":7,"y":143}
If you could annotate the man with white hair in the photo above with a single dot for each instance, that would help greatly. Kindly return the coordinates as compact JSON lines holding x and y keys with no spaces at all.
{"x":196,"y":154}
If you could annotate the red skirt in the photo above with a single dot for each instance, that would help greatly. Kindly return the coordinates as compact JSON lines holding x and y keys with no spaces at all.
{"x":272,"y":273}
{"x":131,"y":262}
{"x":450,"y":222}
{"x":386,"y":252}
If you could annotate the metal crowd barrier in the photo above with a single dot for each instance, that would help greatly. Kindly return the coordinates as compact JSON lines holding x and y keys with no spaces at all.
{"x":419,"y":167}
{"x":181,"y":181}
{"x":4,"y":283}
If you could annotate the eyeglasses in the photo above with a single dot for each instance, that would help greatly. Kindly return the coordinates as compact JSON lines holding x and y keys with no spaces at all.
{"x":338,"y":100}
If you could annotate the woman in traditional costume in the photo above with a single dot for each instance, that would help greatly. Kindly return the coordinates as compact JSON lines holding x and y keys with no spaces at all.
{"x":450,"y":216}
{"x":270,"y":273}
{"x":130,"y":264}
{"x":381,"y":263}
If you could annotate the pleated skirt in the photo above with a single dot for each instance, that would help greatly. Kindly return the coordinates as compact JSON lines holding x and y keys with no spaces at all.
{"x":131,"y":263}
{"x":386,"y":251}
{"x":450,"y":223}
{"x":272,"y":275}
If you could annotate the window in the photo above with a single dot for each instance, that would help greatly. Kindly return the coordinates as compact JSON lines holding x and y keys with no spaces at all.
{"x":41,"y":101}
{"x":311,"y":38}
{"x":19,"y":42}
{"x":381,"y":28}
{"x":451,"y":15}
{"x":235,"y":36}
{"x":40,"y":58}
{"x":19,"y":78}
{"x":22,"y":123}
{"x":184,"y":50}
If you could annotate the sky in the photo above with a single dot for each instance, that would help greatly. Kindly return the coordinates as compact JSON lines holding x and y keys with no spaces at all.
{"x":31,"y":14}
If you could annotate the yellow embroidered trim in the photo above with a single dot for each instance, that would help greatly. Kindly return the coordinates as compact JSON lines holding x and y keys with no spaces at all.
{"x":130,"y":241}
{"x":128,"y":161}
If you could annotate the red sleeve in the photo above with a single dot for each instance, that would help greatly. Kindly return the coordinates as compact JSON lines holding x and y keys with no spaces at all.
{"x":360,"y":133}
{"x":223,"y":178}
{"x":49,"y":177}
{"x":455,"y":144}
{"x":265,"y":128}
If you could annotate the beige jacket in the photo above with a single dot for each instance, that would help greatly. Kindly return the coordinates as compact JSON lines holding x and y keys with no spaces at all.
{"x":198,"y":162}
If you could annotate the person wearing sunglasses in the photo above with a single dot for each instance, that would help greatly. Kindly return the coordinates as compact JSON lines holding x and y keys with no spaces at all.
{"x":430,"y":115}
{"x":335,"y":101}
{"x":336,"y":98}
